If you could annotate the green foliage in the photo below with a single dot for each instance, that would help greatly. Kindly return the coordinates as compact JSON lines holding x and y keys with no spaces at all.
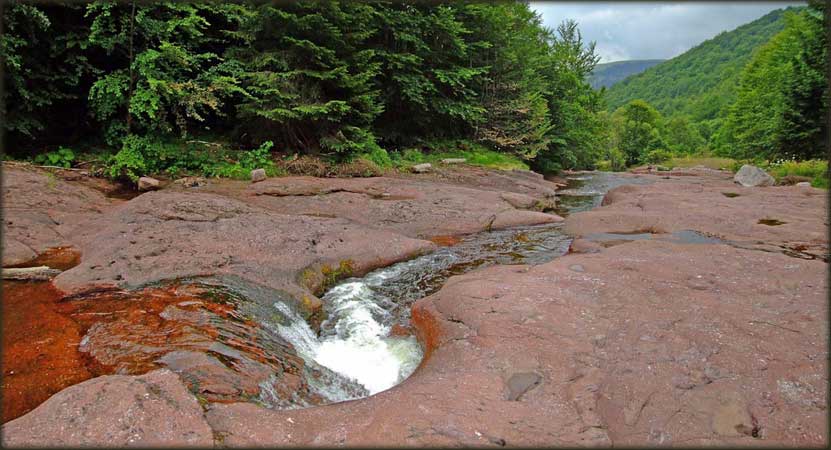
{"x":657,"y":156}
{"x":379,"y":157}
{"x":703,"y":80}
{"x":816,"y":170}
{"x":474,"y":154}
{"x":683,"y":137}
{"x":637,"y":131}
{"x":782,"y":100}
{"x":342,"y":81}
{"x":757,"y":92}
{"x":62,"y":157}
{"x":615,"y":161}
{"x":144,"y":156}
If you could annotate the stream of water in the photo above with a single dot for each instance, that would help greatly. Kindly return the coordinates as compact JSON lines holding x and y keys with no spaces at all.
{"x":356,"y":341}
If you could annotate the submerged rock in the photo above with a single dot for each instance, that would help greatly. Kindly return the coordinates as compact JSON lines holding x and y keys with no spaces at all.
{"x":752,"y":176}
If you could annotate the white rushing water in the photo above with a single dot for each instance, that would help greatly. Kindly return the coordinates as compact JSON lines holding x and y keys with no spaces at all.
{"x":355,"y":341}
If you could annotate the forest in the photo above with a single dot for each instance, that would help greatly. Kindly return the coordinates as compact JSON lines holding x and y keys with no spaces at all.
{"x":758,"y":93}
{"x":220,"y":88}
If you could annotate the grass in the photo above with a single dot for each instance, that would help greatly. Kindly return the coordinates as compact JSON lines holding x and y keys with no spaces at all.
{"x":473,"y":154}
{"x":710,"y":162}
{"x":815,"y":169}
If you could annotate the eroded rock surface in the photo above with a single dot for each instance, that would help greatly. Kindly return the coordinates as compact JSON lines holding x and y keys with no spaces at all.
{"x":41,"y":210}
{"x":645,"y":342}
{"x":408,"y":206}
{"x":152,"y":410}
{"x":167,"y":235}
{"x":717,"y":207}
{"x":650,"y":343}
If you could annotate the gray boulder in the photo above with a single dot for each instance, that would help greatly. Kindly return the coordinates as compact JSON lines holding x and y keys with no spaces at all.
{"x":751,"y":176}
{"x":422,"y":168}
{"x":257,"y":175}
{"x":148,"y":184}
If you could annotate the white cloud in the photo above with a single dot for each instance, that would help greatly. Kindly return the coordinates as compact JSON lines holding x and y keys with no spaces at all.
{"x":652,"y":30}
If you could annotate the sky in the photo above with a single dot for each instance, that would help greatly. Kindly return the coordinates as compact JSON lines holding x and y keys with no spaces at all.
{"x":652,"y":30}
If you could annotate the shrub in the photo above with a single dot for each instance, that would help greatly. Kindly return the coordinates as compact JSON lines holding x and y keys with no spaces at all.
{"x":657,"y":156}
{"x":814,"y":169}
{"x":617,"y":160}
{"x":141,"y":155}
{"x":378,"y":156}
{"x":62,"y":157}
{"x":359,"y":167}
{"x":305,"y":165}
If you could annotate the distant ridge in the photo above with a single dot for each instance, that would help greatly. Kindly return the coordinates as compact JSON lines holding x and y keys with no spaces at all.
{"x":703,"y":80}
{"x":607,"y":74}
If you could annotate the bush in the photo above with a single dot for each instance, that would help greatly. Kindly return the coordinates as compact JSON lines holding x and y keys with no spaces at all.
{"x":657,"y":156}
{"x":143,"y":156}
{"x":62,"y":157}
{"x":378,"y":156}
{"x":815,"y":169}
{"x":617,"y":160}
{"x":305,"y":165}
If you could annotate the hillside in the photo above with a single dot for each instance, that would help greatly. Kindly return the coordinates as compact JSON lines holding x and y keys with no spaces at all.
{"x":702,"y":80}
{"x":608,"y":74}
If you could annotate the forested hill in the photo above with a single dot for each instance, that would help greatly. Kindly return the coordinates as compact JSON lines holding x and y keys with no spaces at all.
{"x":701,"y":81}
{"x":608,"y":74}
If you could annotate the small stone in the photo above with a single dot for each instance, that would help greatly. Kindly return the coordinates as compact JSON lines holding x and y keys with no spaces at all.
{"x":148,"y":184}
{"x":752,"y":176}
{"x":803,"y":184}
{"x":422,"y":168}
{"x":453,"y":160}
{"x":257,"y":175}
{"x":191,"y":181}
{"x":520,"y":383}
{"x":577,"y":268}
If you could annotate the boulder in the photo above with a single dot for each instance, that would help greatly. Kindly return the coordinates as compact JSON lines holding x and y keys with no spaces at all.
{"x":422,"y":168}
{"x":257,"y":175}
{"x":752,"y":176}
{"x":453,"y":160}
{"x":151,"y":410}
{"x":148,"y":184}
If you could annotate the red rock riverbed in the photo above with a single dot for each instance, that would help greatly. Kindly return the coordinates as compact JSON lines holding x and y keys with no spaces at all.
{"x":649,"y":341}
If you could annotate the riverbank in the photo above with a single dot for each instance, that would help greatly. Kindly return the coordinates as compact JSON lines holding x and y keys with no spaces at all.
{"x":623,"y":341}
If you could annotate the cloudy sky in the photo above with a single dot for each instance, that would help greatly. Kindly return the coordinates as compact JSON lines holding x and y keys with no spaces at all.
{"x":652,"y":30}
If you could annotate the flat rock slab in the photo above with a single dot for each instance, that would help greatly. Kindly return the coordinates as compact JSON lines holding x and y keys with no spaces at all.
{"x":166,"y":235}
{"x":716,"y":207}
{"x":410,"y":207}
{"x":152,"y":410}
{"x":40,"y":211}
{"x":518,"y":181}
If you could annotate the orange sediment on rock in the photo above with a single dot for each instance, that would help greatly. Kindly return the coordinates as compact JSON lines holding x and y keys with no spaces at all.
{"x":445,"y":240}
